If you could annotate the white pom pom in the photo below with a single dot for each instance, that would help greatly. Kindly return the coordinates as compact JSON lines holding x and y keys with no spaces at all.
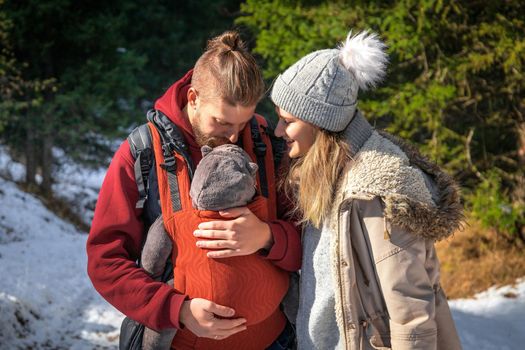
{"x":364,"y":55}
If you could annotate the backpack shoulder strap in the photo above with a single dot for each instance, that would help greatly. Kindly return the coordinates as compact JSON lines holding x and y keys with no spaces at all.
{"x":259,"y":148}
{"x":278,"y":144}
{"x":269,"y":152}
{"x":171,"y":142}
{"x":140,"y":146}
{"x":278,"y":147}
{"x":171,"y":136}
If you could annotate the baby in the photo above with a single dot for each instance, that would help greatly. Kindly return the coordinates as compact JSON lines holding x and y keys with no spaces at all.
{"x":224,"y":178}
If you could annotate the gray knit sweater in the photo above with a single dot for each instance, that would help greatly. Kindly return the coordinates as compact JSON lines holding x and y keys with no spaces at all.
{"x":316,"y":322}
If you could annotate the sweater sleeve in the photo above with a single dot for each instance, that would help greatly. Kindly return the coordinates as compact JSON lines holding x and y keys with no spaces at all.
{"x":113,"y":246}
{"x":286,"y":249}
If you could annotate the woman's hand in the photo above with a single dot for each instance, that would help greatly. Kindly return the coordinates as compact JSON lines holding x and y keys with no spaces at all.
{"x":244,"y":235}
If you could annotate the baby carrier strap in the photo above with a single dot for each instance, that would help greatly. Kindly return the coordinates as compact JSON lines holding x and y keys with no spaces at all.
{"x":140,"y":142}
{"x":172,"y":142}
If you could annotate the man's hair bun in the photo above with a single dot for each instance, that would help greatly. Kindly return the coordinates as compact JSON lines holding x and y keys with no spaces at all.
{"x":228,"y":41}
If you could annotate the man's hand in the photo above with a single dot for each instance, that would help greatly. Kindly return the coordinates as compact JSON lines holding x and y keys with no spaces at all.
{"x":198,"y":315}
{"x":244,"y":235}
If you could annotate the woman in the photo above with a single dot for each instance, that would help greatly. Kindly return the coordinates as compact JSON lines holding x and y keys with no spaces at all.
{"x":372,"y":208}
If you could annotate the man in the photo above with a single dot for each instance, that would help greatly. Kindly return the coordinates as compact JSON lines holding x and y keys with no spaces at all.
{"x":211,"y":105}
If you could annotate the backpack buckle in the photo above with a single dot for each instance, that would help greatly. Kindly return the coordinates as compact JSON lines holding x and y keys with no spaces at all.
{"x":259,"y":148}
{"x":170,"y":164}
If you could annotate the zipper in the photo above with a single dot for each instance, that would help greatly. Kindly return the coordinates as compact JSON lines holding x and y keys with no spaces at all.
{"x":341,"y":287}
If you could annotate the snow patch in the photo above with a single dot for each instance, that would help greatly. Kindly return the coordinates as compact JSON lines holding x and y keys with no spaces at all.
{"x":493,"y":319}
{"x":46,"y":298}
{"x":18,"y":321}
{"x":10,"y":169}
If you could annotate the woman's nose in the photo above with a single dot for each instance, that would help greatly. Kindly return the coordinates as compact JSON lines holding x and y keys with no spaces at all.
{"x":279,"y":130}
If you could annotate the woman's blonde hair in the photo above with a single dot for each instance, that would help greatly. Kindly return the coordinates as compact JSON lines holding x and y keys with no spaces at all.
{"x":227,"y":70}
{"x":312,"y":179}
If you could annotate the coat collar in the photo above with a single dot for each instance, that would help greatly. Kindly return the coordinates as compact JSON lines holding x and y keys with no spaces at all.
{"x":417,"y":194}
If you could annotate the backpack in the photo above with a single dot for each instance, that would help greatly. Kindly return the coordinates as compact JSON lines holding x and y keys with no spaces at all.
{"x":140,"y":143}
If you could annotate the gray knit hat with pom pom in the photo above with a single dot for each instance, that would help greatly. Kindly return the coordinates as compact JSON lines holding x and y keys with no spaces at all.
{"x":321,"y":88}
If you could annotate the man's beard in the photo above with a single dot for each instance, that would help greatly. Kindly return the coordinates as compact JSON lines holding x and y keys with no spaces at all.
{"x":206,"y":140}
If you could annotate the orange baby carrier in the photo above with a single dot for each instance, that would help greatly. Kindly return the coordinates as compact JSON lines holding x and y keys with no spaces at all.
{"x":251,"y":285}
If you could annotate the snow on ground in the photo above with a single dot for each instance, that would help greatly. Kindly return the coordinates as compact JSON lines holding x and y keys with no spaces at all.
{"x":78,"y":185}
{"x":10,"y":169}
{"x":47,"y":300}
{"x":74,"y":183}
{"x":494,"y":319}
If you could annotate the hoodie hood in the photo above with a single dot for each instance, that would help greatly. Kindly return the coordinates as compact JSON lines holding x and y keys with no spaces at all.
{"x":172,"y":103}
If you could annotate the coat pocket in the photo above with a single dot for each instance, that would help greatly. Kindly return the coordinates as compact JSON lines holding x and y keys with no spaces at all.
{"x":377,"y":334}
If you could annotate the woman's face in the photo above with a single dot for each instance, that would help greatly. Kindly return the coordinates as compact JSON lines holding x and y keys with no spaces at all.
{"x":299,"y":135}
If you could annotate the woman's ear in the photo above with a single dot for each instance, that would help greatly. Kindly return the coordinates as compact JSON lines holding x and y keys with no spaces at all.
{"x":316,"y":131}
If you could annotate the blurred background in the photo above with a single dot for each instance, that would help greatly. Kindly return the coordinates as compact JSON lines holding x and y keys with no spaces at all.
{"x":78,"y":76}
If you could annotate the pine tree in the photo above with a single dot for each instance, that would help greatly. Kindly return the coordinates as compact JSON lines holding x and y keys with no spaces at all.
{"x":77,"y":81}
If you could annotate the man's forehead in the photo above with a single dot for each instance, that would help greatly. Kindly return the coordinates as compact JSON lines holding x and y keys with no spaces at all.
{"x":233,"y":114}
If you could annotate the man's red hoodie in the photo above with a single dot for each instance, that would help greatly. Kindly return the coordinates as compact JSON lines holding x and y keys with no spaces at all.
{"x":117,"y":233}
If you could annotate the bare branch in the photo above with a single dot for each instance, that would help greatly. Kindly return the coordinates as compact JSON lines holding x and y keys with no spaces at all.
{"x":469,"y":158}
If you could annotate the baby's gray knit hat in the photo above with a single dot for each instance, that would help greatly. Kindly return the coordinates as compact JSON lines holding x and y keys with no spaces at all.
{"x":321,"y":88}
{"x":224,"y":178}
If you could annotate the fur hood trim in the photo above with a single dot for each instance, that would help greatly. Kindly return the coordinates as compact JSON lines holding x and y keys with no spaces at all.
{"x":426,"y":205}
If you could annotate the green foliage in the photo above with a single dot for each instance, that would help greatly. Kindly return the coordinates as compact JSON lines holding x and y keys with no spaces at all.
{"x":455,"y":84}
{"x":10,"y":82}
{"x":72,"y":77}
{"x":173,"y":35}
{"x":491,"y":206}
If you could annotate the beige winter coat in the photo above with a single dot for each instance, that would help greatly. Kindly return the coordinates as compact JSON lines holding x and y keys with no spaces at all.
{"x":392,"y":204}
